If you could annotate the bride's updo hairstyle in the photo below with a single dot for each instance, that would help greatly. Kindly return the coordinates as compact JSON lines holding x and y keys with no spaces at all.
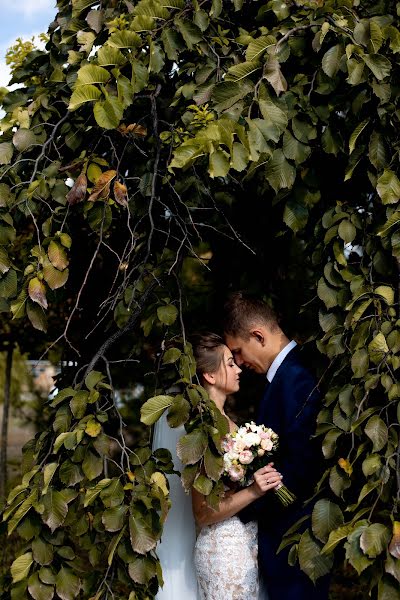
{"x":208,"y":351}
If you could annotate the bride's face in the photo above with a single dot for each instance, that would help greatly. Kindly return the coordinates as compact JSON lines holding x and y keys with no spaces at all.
{"x":227,"y":376}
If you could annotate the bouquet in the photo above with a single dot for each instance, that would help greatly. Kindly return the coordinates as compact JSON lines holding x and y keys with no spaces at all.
{"x":246,"y":450}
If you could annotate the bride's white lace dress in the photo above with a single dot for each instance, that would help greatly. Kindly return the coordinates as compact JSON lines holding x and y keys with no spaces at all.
{"x":225,"y":557}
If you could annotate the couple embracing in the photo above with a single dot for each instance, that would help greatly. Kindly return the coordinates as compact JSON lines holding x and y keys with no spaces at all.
{"x":235,"y":555}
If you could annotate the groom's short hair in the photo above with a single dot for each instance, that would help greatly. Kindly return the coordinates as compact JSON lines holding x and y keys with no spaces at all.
{"x":241,"y":312}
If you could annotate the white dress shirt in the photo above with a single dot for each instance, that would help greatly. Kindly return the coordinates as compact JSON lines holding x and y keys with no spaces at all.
{"x":278,"y":360}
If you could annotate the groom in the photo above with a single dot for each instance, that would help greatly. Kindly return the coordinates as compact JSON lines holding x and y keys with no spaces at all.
{"x":289,"y":406}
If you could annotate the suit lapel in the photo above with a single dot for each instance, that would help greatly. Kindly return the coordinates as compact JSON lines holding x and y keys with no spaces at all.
{"x":270,"y":409}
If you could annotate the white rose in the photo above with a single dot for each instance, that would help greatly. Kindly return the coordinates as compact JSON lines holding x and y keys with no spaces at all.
{"x":239,"y":445}
{"x":251,"y":439}
{"x":267,"y":445}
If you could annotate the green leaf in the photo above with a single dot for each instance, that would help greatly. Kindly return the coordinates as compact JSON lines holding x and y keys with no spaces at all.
{"x":48,"y":474}
{"x":375,"y":539}
{"x":143,"y":538}
{"x":113,"y":518}
{"x":386,"y":292}
{"x":355,"y":69}
{"x":109,"y":56}
{"x":371,"y":465}
{"x":92,"y":465}
{"x":203,"y":485}
{"x":377,"y":150}
{"x":37,"y":291}
{"x":93,"y":378}
{"x":153,"y":408}
{"x":327,"y":294}
{"x":37,"y":316}
{"x":279,"y":172}
{"x":23,"y":139}
{"x":78,"y":404}
{"x":70,"y":474}
{"x":347,"y":231}
{"x":189,"y":31}
{"x":39,"y":590}
{"x":312,"y":562}
{"x":239,"y":157}
{"x":172,"y":43}
{"x":53,"y":277}
{"x":92,"y":493}
{"x":90,"y":74}
{"x":356,"y":133}
{"x":42,"y":551}
{"x":388,"y":589}
{"x":326,"y":517}
{"x":331,"y":60}
{"x":167,"y":314}
{"x":178,"y":412}
{"x":57,"y":256}
{"x":257,"y":47}
{"x":6,"y":153}
{"x":156,"y":61}
{"x":335,"y":537}
{"x":378,"y":348}
{"x":171,"y":356}
{"x":360,"y":363}
{"x":388,"y":187}
{"x":219,"y":164}
{"x":378,"y":64}
{"x":273,"y":74}
{"x":21,"y":566}
{"x":201,"y":19}
{"x":8,"y":284}
{"x":67,"y":584}
{"x":55,"y":509}
{"x":354,"y":553}
{"x":191,"y":447}
{"x":108,"y":113}
{"x":242,"y":70}
{"x":295,"y":215}
{"x":213,"y":465}
{"x":141,"y":570}
{"x":376,"y":35}
{"x":124,"y":39}
{"x":227,"y":93}
{"x":83,"y":94}
{"x":293,"y":149}
{"x":377,"y":432}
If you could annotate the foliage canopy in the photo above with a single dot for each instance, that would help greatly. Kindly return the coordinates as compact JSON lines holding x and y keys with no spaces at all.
{"x":156,"y":154}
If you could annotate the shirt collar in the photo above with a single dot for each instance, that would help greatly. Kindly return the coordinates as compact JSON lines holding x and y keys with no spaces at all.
{"x":278,"y":360}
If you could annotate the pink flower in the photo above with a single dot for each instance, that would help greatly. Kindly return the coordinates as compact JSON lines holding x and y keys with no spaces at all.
{"x":239,"y":445}
{"x":260,"y":452}
{"x":236,"y":472}
{"x":246,"y":457}
{"x":267,"y":444}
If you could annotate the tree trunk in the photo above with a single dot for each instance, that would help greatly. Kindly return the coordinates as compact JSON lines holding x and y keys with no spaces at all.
{"x":4,"y":427}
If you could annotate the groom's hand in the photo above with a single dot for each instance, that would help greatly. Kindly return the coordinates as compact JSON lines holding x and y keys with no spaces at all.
{"x":265,"y":479}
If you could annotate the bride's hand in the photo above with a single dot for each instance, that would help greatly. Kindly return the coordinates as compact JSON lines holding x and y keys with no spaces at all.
{"x":265,"y":479}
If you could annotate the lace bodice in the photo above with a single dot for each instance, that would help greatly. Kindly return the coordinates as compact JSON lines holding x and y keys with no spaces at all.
{"x":226,"y":560}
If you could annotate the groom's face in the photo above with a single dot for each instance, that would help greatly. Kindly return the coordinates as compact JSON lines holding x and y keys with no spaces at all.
{"x":249,"y":353}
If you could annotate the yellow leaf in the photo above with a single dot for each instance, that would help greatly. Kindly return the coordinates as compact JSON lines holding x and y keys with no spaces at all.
{"x":160,"y":480}
{"x":93,"y":428}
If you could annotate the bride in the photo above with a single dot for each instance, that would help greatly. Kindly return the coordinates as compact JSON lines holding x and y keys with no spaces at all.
{"x":225,"y":553}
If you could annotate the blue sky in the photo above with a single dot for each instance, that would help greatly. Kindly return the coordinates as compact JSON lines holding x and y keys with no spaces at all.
{"x":22,"y":18}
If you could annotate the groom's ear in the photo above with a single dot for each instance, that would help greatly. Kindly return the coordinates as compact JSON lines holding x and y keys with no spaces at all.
{"x":259,"y":336}
{"x":209,"y":377}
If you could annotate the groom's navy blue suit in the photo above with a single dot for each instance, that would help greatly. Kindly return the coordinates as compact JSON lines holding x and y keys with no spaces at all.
{"x":289,"y":406}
